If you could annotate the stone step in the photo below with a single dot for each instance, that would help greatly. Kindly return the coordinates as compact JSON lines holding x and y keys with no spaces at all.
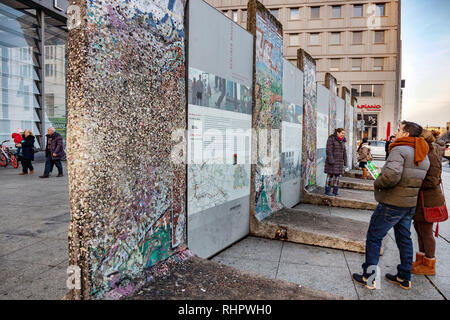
{"x":354,"y":173}
{"x":348,"y":198}
{"x":312,"y":228}
{"x":355,"y":183}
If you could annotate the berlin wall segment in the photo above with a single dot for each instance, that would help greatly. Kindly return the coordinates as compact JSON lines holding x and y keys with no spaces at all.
{"x":126,"y":88}
{"x":267,"y":99}
{"x":331,"y":84}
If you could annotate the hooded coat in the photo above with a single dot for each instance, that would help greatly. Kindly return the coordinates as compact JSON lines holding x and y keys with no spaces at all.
{"x":431,"y":186}
{"x":27,"y":148}
{"x":336,"y":156}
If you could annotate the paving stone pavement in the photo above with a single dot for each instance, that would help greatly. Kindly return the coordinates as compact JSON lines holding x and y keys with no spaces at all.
{"x":34,"y":250}
{"x":34,"y":217}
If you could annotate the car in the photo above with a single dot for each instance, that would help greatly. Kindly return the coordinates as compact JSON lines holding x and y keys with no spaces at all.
{"x":447,"y":151}
{"x":377,"y":148}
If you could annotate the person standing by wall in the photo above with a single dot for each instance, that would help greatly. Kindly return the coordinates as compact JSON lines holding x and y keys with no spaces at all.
{"x":27,"y":152}
{"x":54,"y":152}
{"x":396,"y":190}
{"x":364,"y":156}
{"x":431,"y":195}
{"x":335,"y":161}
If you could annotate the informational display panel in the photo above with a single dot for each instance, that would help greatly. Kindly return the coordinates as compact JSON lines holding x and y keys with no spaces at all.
{"x":340,"y":113}
{"x":323,"y":98}
{"x":291,"y":134}
{"x":219,"y":130}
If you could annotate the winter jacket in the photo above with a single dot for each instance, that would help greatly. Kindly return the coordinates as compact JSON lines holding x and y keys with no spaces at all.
{"x":27,"y":148}
{"x":56,"y":146}
{"x":364,"y":154}
{"x":400,"y":179}
{"x":431,"y":186}
{"x":336,"y":156}
{"x":440,"y":146}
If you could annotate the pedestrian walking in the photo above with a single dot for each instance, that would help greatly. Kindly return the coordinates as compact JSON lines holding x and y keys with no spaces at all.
{"x":27,"y":156}
{"x":386,"y":146}
{"x":54,"y":152}
{"x":430,"y":195}
{"x":364,"y":156}
{"x":335,"y":161}
{"x":396,"y":190}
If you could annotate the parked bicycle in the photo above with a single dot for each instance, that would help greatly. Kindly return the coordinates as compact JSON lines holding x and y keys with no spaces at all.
{"x":7,"y":156}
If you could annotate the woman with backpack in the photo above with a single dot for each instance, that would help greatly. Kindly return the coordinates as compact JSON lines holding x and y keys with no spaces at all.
{"x":27,"y":146}
{"x":364,"y":156}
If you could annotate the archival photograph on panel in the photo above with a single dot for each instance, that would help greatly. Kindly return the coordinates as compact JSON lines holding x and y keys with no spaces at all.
{"x":209,"y":90}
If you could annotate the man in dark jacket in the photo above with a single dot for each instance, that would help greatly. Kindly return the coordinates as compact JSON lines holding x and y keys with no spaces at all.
{"x":396,"y":190}
{"x":54,"y":152}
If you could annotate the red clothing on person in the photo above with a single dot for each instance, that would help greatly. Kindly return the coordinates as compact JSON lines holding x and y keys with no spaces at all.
{"x":17,"y":137}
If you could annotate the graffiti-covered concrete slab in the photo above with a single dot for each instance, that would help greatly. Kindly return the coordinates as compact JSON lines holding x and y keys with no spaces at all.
{"x":314,"y":229}
{"x":193,"y":278}
{"x":126,"y":89}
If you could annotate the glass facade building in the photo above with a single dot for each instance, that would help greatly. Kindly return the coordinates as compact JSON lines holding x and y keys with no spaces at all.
{"x":33,"y":49}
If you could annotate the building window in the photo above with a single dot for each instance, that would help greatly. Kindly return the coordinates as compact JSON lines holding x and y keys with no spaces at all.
{"x":335,"y":11}
{"x":377,"y":90}
{"x":367,"y":90}
{"x":356,"y":64}
{"x":244,"y":16}
{"x":357,"y":10}
{"x":357,"y":37}
{"x":235,"y":16}
{"x":294,"y":13}
{"x":315,"y":12}
{"x":378,"y":64}
{"x":335,"y":38}
{"x":335,"y":64}
{"x":293,"y":39}
{"x":314,"y":39}
{"x":274,"y":12}
{"x":380,"y":9}
{"x":379,"y":36}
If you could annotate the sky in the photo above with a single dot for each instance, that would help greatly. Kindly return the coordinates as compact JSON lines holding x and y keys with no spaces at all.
{"x":426,"y":61}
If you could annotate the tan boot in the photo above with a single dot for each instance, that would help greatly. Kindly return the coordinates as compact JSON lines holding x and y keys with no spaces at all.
{"x":419,"y":260}
{"x":427,"y":268}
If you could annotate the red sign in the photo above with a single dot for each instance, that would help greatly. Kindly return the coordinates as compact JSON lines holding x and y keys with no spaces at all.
{"x":369,"y":106}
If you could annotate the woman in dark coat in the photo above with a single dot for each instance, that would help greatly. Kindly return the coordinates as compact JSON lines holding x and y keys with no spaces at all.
{"x":425,"y":263}
{"x":336,"y":161}
{"x":27,"y":152}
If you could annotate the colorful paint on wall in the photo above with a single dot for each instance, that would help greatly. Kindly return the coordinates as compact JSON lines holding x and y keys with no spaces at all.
{"x":349,"y":128}
{"x":267,"y":109}
{"x":126,"y":88}
{"x":309,"y":158}
{"x":331,"y":84}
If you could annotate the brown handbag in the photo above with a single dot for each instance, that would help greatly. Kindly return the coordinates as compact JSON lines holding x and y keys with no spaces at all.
{"x":435,"y":214}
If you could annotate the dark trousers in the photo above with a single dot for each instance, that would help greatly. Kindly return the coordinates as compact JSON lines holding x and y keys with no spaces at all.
{"x":26,"y":164}
{"x":427,"y":244}
{"x":383,"y":219}
{"x":49,"y":162}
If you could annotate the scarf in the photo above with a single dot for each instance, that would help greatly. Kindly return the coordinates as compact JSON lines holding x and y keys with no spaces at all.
{"x":419,"y":144}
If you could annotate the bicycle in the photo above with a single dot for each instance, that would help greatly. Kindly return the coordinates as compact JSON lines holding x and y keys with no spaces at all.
{"x":7,"y":156}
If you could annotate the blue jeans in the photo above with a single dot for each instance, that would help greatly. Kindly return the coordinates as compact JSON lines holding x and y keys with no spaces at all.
{"x":49,"y":162}
{"x":383,"y":219}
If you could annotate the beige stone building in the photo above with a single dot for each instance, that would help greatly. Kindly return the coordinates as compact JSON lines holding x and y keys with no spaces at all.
{"x":357,"y":41}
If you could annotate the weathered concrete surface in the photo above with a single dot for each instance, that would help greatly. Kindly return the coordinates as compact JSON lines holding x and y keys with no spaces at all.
{"x":314,"y":229}
{"x":199,"y":279}
{"x":348,"y":198}
{"x":356,"y":183}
